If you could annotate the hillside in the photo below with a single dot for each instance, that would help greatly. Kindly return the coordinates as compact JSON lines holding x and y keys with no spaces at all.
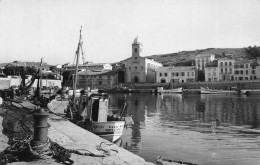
{"x":183,"y":56}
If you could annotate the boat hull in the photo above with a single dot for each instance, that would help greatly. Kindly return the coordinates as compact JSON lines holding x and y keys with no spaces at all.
{"x":248,"y":91}
{"x":211,"y":91}
{"x":111,"y":130}
{"x":177,"y":90}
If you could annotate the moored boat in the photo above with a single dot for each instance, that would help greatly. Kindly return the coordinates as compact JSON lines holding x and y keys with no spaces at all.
{"x":215,"y":91}
{"x":98,"y":120}
{"x":110,"y":131}
{"x":250,"y":91}
{"x":175,"y":90}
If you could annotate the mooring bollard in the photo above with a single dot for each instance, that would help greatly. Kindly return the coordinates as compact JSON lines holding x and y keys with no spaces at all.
{"x":40,"y":127}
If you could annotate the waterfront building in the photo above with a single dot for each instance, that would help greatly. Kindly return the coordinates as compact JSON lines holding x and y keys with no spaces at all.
{"x":86,"y":66}
{"x":226,"y":69}
{"x":244,"y":70}
{"x":179,"y":74}
{"x":202,"y":59}
{"x":140,"y":69}
{"x":212,"y":71}
{"x":97,"y":78}
{"x":256,"y":65}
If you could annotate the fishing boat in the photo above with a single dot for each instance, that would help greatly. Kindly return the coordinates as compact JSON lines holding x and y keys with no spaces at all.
{"x":215,"y":91}
{"x":175,"y":90}
{"x":91,"y":110}
{"x":98,"y":120}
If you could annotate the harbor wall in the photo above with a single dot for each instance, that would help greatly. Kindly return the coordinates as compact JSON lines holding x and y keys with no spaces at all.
{"x":225,"y":85}
{"x":72,"y":137}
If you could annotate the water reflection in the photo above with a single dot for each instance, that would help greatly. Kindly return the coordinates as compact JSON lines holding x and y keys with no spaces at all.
{"x":200,"y":128}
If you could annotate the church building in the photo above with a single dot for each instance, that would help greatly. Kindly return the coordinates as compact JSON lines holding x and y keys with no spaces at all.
{"x":140,"y":69}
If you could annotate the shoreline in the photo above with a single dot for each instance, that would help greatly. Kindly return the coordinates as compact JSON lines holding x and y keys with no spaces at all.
{"x":70,"y":136}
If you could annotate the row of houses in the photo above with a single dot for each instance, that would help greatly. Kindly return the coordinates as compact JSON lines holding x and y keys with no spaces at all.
{"x":138,"y":69}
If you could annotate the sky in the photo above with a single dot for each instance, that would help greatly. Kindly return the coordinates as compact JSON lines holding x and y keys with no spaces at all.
{"x":49,"y":29}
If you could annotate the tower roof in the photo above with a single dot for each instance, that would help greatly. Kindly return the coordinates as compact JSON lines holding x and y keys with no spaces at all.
{"x":136,"y":41}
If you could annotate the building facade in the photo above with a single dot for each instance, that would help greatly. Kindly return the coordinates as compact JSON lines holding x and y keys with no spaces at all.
{"x":140,"y":69}
{"x":88,"y":66}
{"x":97,"y":78}
{"x":180,"y":74}
{"x":244,"y":70}
{"x":202,"y":59}
{"x":212,"y":71}
{"x":226,"y":69}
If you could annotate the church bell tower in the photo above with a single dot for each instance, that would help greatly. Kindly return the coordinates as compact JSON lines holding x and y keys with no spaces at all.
{"x":136,"y":49}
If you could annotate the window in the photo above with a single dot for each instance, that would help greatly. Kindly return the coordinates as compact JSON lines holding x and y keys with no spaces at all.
{"x":100,"y":82}
{"x":246,"y":65}
{"x":221,"y":70}
{"x":129,"y":67}
{"x":241,"y":66}
{"x":160,"y":74}
{"x":246,"y":78}
{"x":188,"y":73}
{"x":225,"y":70}
{"x":136,"y":50}
{"x":230,"y":70}
{"x":100,"y":76}
{"x":135,"y":58}
{"x":221,"y":63}
{"x":135,"y":67}
{"x":253,"y":71}
{"x":165,"y":74}
{"x":230,"y":63}
{"x":177,"y":74}
{"x":225,"y":63}
{"x":192,"y":73}
{"x":182,"y":73}
{"x":108,"y":76}
{"x":241,"y":72}
{"x":246,"y":71}
{"x":142,"y":67}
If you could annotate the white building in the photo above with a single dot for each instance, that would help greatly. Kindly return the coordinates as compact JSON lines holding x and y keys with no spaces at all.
{"x":179,"y":74}
{"x":140,"y":69}
{"x":202,"y":59}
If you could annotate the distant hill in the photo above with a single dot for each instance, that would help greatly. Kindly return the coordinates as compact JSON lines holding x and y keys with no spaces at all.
{"x":185,"y":56}
{"x":25,"y":63}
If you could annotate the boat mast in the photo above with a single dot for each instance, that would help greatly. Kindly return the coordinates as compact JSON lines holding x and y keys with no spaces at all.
{"x":77,"y":65}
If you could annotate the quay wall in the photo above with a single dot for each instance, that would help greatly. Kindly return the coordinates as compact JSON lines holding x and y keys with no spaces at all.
{"x":225,"y":85}
{"x":72,"y":137}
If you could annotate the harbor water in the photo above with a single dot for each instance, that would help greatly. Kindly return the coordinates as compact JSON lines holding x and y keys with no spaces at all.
{"x":201,"y":129}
